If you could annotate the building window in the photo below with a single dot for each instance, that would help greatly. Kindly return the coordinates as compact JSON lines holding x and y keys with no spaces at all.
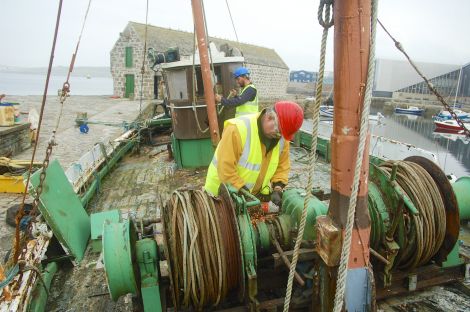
{"x":129,"y":57}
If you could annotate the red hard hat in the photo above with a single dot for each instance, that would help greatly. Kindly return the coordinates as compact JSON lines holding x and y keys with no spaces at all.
{"x":290,"y":116}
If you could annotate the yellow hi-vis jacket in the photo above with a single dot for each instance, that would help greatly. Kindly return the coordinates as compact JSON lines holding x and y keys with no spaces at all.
{"x":250,"y":107}
{"x":241,"y":159}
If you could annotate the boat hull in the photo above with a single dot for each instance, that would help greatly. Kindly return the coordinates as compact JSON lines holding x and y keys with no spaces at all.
{"x":417,"y":112}
{"x":449,"y":125}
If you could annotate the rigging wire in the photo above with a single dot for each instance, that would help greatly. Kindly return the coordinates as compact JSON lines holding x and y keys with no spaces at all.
{"x":211,"y":62}
{"x":144,"y":53}
{"x":431,"y":87}
{"x":194,"y":71}
{"x":235,"y":31}
{"x":62,"y":97}
{"x":194,"y":108}
{"x":21,"y":212}
{"x":142,"y":73}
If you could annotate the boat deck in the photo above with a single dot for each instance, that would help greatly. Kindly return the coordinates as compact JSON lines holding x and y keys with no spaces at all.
{"x":71,"y":143}
{"x":139,"y":183}
{"x":135,"y":187}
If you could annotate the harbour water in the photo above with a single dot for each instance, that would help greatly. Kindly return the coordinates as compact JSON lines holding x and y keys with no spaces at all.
{"x":12,"y":83}
{"x":452,"y":150}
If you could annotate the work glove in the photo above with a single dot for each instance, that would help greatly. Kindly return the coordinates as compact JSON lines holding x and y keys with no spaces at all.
{"x":276,"y":198}
{"x":240,"y":192}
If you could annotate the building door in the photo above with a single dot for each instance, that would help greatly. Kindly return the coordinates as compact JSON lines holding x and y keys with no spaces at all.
{"x":129,"y":86}
{"x":156,"y":82}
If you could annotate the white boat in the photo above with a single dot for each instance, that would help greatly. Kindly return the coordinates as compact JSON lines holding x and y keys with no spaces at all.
{"x":413,"y":110}
{"x":450,"y":125}
{"x":445,"y":115}
{"x":327,"y":111}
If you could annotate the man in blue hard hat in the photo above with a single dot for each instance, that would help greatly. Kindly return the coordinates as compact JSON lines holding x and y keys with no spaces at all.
{"x":247,"y":101}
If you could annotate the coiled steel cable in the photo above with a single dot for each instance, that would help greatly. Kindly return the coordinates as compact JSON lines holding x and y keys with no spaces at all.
{"x":203,"y":251}
{"x":424,"y":232}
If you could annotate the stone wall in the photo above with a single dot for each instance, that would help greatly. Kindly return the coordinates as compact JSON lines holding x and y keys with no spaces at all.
{"x":128,"y":38}
{"x":271,"y":82}
{"x":14,"y":139}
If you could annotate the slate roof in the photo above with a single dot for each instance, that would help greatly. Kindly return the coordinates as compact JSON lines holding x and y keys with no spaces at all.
{"x":161,"y":39}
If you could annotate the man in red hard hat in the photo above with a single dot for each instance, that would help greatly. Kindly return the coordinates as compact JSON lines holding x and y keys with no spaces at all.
{"x":253,"y":152}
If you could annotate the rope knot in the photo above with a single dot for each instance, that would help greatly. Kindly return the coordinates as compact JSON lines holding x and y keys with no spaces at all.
{"x":325,"y":6}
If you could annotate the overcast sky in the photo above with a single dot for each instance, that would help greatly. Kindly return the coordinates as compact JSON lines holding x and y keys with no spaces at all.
{"x":430,"y":30}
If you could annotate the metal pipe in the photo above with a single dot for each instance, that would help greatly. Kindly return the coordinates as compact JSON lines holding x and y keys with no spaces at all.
{"x":39,"y":296}
{"x":202,"y":44}
{"x":352,"y":20}
{"x":379,"y":256}
{"x":286,"y":261}
{"x":189,"y":106}
{"x":351,"y":53}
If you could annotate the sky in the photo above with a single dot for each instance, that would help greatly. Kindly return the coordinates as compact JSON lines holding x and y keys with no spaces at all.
{"x":430,"y":30}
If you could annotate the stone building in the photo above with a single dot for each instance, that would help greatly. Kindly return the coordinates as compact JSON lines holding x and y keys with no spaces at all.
{"x":269,"y":72}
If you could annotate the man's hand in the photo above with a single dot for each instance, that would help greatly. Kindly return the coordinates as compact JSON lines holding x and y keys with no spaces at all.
{"x":233,"y":93}
{"x":276,"y":196}
{"x":218,"y":98}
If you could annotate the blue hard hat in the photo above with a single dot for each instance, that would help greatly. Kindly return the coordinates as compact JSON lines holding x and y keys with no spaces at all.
{"x":240,"y":71}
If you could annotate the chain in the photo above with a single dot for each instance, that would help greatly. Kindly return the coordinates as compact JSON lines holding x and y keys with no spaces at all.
{"x":431,"y":87}
{"x":64,"y":93}
{"x":21,"y":213}
{"x":42,"y":177}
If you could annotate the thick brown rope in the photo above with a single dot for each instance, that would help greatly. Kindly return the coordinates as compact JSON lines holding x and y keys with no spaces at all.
{"x":203,"y":251}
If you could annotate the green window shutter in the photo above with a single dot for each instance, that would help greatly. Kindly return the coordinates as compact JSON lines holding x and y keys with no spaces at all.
{"x":129,"y":57}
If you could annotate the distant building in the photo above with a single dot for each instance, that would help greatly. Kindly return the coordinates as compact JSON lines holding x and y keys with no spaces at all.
{"x":268,"y":71}
{"x":399,"y":80}
{"x":455,"y":83}
{"x":302,"y":76}
{"x":394,"y":75}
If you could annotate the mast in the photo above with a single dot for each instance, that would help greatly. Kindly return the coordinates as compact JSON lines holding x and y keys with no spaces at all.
{"x":457,"y":88}
{"x":202,"y":44}
{"x":351,"y":53}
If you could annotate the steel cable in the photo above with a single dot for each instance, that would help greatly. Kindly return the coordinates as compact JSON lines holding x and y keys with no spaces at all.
{"x":431,"y":87}
{"x":424,"y":232}
{"x":203,"y":252}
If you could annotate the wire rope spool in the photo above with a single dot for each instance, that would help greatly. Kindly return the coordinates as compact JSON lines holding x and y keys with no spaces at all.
{"x":421,"y":230}
{"x":202,"y":247}
{"x":450,"y":203}
{"x":119,"y":258}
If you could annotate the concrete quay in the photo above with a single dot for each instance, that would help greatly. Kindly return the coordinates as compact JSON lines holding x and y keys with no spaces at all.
{"x":71,"y":144}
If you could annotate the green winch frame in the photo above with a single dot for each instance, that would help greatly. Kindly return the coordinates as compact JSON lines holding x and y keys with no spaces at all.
{"x":132,"y":266}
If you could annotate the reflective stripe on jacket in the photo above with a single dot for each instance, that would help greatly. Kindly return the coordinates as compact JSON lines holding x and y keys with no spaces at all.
{"x":249,"y":107}
{"x":249,"y":163}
